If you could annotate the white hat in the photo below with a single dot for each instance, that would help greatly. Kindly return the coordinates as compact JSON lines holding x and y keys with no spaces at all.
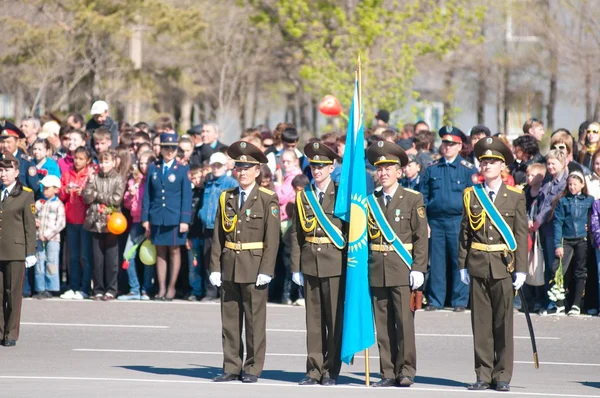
{"x":50,"y":128}
{"x":50,"y":181}
{"x":98,"y":108}
{"x":217,"y":157}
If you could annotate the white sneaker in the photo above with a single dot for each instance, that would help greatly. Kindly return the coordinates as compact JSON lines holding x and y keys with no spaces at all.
{"x":78,"y":296}
{"x":299,"y":303}
{"x":575,"y":310}
{"x":68,"y":295}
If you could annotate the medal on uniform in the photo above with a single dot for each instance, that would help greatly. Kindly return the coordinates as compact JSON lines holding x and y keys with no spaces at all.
{"x":397,"y":213}
{"x":154,"y":175}
{"x":171,"y":178}
{"x":248,"y":211}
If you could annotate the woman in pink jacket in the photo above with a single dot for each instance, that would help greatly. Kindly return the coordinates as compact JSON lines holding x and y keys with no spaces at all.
{"x":287,"y":198}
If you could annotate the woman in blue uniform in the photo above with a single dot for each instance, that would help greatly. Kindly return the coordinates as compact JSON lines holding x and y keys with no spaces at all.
{"x":166,"y":212}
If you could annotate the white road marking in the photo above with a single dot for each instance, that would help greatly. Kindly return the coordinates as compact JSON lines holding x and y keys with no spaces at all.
{"x":284,"y":385}
{"x":421,"y":334}
{"x":561,"y":363}
{"x":94,"y":325}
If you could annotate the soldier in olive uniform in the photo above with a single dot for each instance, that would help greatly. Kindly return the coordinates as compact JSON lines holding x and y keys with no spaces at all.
{"x":243,"y":254}
{"x":493,"y":245}
{"x":398,"y":259}
{"x":317,"y":253}
{"x":17,"y":246}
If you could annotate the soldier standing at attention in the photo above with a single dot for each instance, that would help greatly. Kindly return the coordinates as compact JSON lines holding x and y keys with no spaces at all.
{"x":317,"y":253}
{"x":442,"y":187}
{"x":243,"y":254}
{"x":493,"y":245}
{"x":17,"y":246}
{"x":398,"y":259}
{"x":28,"y":176}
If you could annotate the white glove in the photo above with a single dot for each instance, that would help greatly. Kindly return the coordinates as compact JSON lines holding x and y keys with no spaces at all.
{"x":215,"y":279}
{"x":30,"y":261}
{"x":298,"y":278}
{"x":263,"y":279}
{"x":464,"y":276}
{"x":519,"y":280}
{"x":416,"y":279}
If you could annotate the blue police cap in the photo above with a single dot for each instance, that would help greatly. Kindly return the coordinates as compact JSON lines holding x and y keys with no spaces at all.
{"x":452,"y":134}
{"x":168,"y":140}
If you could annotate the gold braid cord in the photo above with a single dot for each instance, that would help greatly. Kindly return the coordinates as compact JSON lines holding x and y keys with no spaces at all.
{"x":307,"y":225}
{"x":373,"y":227}
{"x":476,"y":221}
{"x":232,"y":222}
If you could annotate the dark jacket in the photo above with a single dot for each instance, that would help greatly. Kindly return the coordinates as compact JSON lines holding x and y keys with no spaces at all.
{"x":196,"y":223}
{"x":102,"y":191}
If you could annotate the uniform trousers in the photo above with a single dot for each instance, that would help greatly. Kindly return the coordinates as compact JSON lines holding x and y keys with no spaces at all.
{"x":11,"y":282}
{"x":492,"y":323}
{"x":395,"y":331}
{"x":250,"y":302}
{"x":324,"y":311}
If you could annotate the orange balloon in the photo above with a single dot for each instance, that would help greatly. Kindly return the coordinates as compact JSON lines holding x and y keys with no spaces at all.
{"x":330,"y":106}
{"x":117,"y":223}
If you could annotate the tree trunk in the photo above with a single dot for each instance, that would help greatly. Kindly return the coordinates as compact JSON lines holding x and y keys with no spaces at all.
{"x":505,"y":100}
{"x":588,"y":94}
{"x":19,"y":100}
{"x":481,"y":94}
{"x":448,"y":96}
{"x":186,"y":113}
{"x":553,"y":89}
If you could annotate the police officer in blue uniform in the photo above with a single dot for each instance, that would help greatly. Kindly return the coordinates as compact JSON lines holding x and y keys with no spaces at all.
{"x":166,"y":212}
{"x":9,"y":138}
{"x":442,"y":188}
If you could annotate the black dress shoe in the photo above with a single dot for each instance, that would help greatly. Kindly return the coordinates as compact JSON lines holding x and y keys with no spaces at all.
{"x":502,"y":386}
{"x":10,"y":343}
{"x":327,"y":381}
{"x":431,"y":308}
{"x":385,"y":383}
{"x":405,"y":381}
{"x":479,"y":385}
{"x":460,"y":309}
{"x":226,"y":377}
{"x":308,"y":381}
{"x":249,"y":379}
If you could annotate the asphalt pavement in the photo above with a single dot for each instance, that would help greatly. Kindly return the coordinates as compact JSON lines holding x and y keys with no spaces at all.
{"x":156,"y":349}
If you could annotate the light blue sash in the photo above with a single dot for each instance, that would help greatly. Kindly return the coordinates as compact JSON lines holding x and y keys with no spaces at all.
{"x":497,"y":220}
{"x":330,"y":229}
{"x":387,"y":231}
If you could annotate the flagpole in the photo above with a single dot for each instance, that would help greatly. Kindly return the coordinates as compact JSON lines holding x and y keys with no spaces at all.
{"x":360,"y":113}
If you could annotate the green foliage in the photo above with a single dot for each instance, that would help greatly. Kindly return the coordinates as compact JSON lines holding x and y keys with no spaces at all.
{"x":325,"y":37}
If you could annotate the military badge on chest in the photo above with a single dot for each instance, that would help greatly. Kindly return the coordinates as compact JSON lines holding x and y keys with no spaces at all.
{"x":397,"y":215}
{"x":172,"y":178}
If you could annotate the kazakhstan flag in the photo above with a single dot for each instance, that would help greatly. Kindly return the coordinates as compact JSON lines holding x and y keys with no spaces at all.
{"x":351,"y":206}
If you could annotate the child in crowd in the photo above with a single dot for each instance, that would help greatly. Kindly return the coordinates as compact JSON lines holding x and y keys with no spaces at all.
{"x":534,"y":284}
{"x":104,"y":193}
{"x":132,"y":200}
{"x":570,"y":237}
{"x":73,"y":180}
{"x":196,"y":277}
{"x":49,"y":221}
{"x":124,"y":165}
{"x":102,"y":140}
{"x":412,"y":178}
{"x":75,"y":139}
{"x":45,"y":165}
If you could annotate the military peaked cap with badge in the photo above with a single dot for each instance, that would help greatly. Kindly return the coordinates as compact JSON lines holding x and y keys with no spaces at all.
{"x":7,"y":129}
{"x":384,"y":152}
{"x":169,"y":140}
{"x":246,"y":154}
{"x":319,"y":153}
{"x":8,"y":157}
{"x":452,"y":134}
{"x":493,"y":148}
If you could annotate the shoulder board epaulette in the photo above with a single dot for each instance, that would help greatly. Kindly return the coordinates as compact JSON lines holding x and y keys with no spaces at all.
{"x":267,"y":191}
{"x":466,"y":164}
{"x":468,"y":189}
{"x":510,"y":188}
{"x":412,"y":191}
{"x":434,"y":162}
{"x":229,"y":189}
{"x":26,"y":157}
{"x":27,"y":189}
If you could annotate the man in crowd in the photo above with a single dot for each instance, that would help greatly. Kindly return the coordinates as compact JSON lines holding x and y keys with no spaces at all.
{"x":423,"y":144}
{"x":493,"y":245}
{"x":534,"y":128}
{"x":442,"y":187}
{"x":30,"y":127}
{"x":398,"y":260}
{"x":477,"y":132}
{"x":17,"y":245}
{"x":210,"y":141}
{"x":75,"y":120}
{"x":382,"y":119}
{"x":317,"y":253}
{"x":196,"y":134}
{"x":100,"y":118}
{"x":526,"y":149}
{"x":421,"y":126}
{"x":243,"y":255}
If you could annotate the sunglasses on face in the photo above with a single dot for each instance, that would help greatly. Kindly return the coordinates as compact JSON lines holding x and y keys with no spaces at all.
{"x":560,"y":147}
{"x":592,"y":131}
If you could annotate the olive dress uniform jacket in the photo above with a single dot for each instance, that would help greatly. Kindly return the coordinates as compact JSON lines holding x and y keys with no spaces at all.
{"x":321,"y":261}
{"x":17,"y":224}
{"x":510,"y":202}
{"x":406,"y":215}
{"x":258,"y":221}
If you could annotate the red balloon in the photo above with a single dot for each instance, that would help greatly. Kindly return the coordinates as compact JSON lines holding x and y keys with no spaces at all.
{"x":117,"y":223}
{"x":330,"y":106}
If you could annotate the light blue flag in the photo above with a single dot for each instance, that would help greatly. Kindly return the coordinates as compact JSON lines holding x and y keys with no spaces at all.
{"x":351,"y":206}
